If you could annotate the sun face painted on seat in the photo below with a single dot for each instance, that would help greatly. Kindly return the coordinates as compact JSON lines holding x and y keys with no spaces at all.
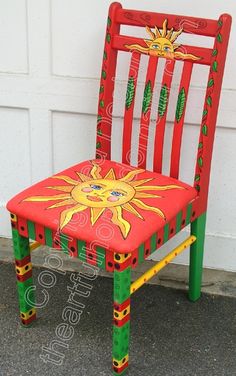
{"x":102,"y":193}
{"x":98,"y":193}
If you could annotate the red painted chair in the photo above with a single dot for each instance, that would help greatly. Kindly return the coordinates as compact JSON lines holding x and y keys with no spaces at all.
{"x":113,"y":215}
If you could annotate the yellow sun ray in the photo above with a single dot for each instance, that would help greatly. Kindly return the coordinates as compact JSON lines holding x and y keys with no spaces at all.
{"x":62,"y":188}
{"x":69,"y":201}
{"x":136,"y":183}
{"x":47,"y":198}
{"x":175,"y":35}
{"x":157,"y":31}
{"x":169,"y":34}
{"x":83,"y":177}
{"x":186,"y":56}
{"x":110,"y":175}
{"x":68,"y":179}
{"x":146,"y":195}
{"x":67,"y":215}
{"x":150,"y":32}
{"x":96,"y":214}
{"x":119,"y":221}
{"x":143,"y":206}
{"x":95,"y":172}
{"x":130,"y":175}
{"x":164,"y":29}
{"x":158,"y":187}
{"x":128,"y":207}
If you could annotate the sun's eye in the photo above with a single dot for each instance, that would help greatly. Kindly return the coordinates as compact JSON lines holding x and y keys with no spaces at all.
{"x":166,"y":48}
{"x":97,"y":187}
{"x":156,"y":46}
{"x":117,"y":194}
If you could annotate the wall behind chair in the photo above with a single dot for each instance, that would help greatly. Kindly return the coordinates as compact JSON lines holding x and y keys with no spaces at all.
{"x":50,"y":62}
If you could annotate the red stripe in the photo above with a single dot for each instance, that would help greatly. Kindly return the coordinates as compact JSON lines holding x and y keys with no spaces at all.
{"x":22,"y":278}
{"x":121,"y":369}
{"x":39,"y":233}
{"x":121,"y":307}
{"x":72,"y":246}
{"x":91,"y":254}
{"x":22,"y":262}
{"x":29,"y":320}
{"x":22,"y":227}
{"x":109,"y":261}
{"x":121,"y":322}
{"x":134,"y":258}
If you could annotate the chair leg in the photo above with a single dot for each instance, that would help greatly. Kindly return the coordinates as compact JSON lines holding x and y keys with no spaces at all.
{"x":196,"y":257}
{"x":121,"y":318}
{"x":24,"y":278}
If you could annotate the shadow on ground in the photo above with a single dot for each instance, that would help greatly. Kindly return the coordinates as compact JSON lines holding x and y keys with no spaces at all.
{"x":170,"y":335}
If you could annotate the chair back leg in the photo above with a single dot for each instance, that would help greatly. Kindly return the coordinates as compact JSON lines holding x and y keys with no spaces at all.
{"x":196,"y":257}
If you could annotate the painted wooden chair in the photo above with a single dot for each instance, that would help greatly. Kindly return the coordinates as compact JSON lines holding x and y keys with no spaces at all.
{"x":114,"y":215}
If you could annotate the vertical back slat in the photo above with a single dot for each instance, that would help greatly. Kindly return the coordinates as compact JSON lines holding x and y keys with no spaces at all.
{"x":146,"y":111}
{"x":179,"y":118}
{"x":162,"y":113}
{"x":129,"y":106}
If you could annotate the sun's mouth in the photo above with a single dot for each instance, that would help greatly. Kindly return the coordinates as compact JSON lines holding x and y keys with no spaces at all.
{"x":94,"y":198}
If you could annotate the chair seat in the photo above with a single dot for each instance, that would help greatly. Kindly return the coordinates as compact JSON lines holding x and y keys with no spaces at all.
{"x":104,"y":202}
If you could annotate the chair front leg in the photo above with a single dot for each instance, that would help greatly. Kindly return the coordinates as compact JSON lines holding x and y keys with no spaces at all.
{"x":196,"y":257}
{"x":121,"y":316}
{"x":24,"y":278}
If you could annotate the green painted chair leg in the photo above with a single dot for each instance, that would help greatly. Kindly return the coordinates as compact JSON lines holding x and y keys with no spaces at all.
{"x":24,"y":278}
{"x":121,"y":317}
{"x":196,"y":257}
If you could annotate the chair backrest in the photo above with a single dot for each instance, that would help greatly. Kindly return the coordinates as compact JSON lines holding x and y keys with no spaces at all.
{"x":163,"y":31}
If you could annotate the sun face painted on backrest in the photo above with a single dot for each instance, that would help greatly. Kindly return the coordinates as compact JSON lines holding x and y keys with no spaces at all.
{"x":162,"y":44}
{"x":97,"y":193}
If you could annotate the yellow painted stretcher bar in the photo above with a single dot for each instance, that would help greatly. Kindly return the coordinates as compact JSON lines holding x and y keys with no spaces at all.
{"x":161,"y":264}
{"x":34,"y":245}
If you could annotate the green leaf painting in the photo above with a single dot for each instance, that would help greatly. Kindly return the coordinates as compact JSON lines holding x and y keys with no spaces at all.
{"x":180,"y":105}
{"x":205,"y":130}
{"x":108,"y":21}
{"x":200,"y":162}
{"x":147,"y":97}
{"x":104,"y":75}
{"x":98,"y":145}
{"x":130,"y":93}
{"x":200,"y":145}
{"x":197,"y":177}
{"x":108,"y":38}
{"x":205,"y":112}
{"x":215,"y":52}
{"x":219,"y":38}
{"x":214,"y":66}
{"x":209,"y":101}
{"x":99,"y":119}
{"x":210,"y":83}
{"x":163,"y":101}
